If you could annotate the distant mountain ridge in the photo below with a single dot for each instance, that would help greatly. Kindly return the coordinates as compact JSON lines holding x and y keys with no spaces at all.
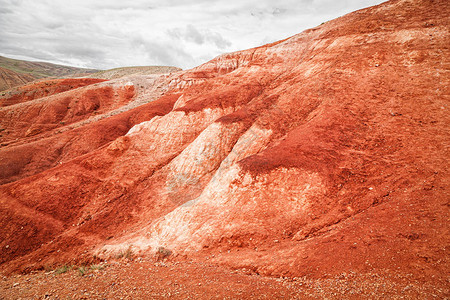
{"x":14,"y":72}
{"x":140,"y":70}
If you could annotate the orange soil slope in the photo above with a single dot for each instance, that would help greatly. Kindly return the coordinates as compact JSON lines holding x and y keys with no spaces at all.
{"x":36,"y":117}
{"x":42,"y":89}
{"x":321,"y":154}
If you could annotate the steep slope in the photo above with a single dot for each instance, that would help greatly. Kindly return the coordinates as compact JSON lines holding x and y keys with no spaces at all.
{"x":321,"y":154}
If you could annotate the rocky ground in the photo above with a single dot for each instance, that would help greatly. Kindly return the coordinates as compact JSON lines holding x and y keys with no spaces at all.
{"x":144,"y":279}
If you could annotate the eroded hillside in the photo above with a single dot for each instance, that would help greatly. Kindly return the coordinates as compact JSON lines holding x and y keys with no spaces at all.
{"x":320,"y":154}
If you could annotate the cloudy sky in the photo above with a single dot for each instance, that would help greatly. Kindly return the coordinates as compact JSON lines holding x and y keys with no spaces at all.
{"x":106,"y":34}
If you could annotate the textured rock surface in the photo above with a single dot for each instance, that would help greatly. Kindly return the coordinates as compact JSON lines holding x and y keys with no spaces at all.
{"x":320,"y":154}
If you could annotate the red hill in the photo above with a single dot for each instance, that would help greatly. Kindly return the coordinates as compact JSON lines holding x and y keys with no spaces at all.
{"x":323,"y":154}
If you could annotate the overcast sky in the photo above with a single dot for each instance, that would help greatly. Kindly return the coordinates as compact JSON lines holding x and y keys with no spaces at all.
{"x":106,"y":34}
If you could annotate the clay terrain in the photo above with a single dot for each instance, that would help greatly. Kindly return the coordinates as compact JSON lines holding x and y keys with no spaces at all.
{"x":313,"y":167}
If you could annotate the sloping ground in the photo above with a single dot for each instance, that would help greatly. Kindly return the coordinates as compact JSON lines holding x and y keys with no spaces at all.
{"x":42,"y":89}
{"x":319,"y":155}
{"x":9,"y":79}
{"x":17,"y":72}
{"x":41,"y":69}
{"x":127,"y":71}
{"x":35,"y":138}
{"x":38,"y":116}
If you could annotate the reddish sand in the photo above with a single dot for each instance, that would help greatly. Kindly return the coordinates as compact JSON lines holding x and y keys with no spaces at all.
{"x":321,"y":155}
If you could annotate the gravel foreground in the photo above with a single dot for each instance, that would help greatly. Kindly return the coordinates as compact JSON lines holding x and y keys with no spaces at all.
{"x":141,"y":279}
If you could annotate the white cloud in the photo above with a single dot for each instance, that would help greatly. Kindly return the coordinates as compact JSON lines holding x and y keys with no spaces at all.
{"x":183,"y":33}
